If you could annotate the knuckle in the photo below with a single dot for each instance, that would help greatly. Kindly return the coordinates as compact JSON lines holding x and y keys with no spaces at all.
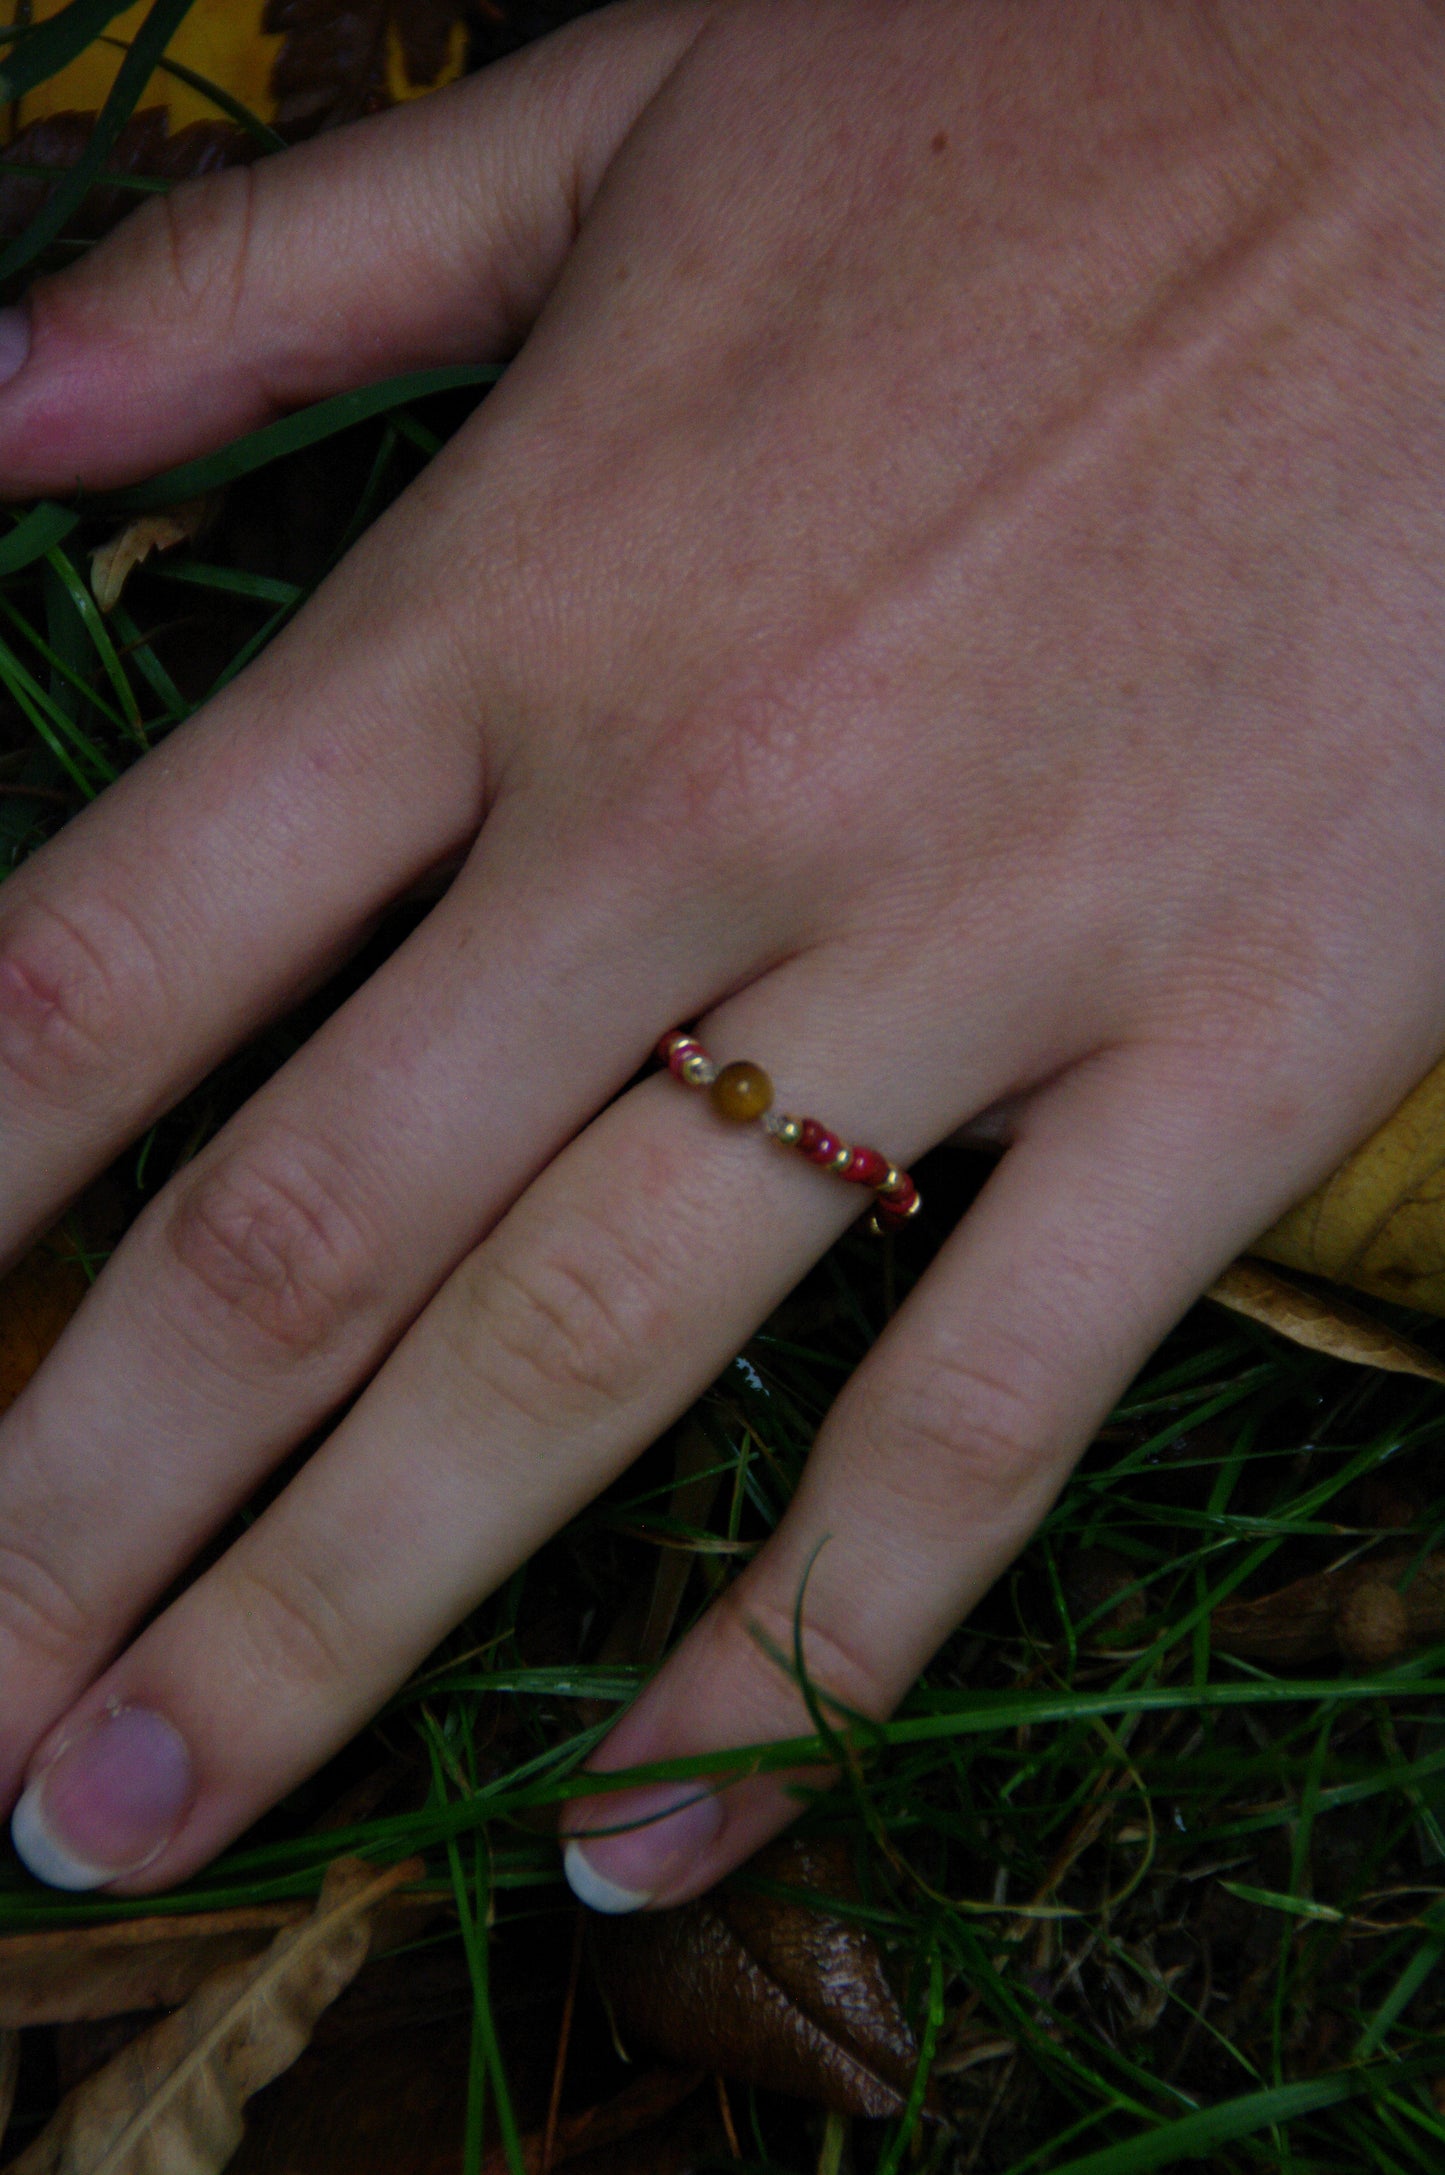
{"x":965,"y":1428}
{"x":73,"y":1002}
{"x":265,"y":1243}
{"x":292,"y":1630}
{"x":39,"y":1614}
{"x":201,"y":234}
{"x":564,"y":1326}
{"x":762,"y":1626}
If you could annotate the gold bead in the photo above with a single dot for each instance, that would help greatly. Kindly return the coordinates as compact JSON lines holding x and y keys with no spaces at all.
{"x":787,"y":1132}
{"x":742,"y":1090}
{"x":894,"y":1182}
{"x":842,"y":1159}
{"x":698,"y":1071}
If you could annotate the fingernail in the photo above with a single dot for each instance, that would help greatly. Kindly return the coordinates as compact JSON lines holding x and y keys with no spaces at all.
{"x":108,"y":1803}
{"x":14,"y":342}
{"x":660,"y":1832}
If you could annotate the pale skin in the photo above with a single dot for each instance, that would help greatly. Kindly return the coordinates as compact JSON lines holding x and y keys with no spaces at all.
{"x":948,"y":598}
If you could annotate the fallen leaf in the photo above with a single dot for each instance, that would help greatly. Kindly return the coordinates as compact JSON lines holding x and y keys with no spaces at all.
{"x":635,"y":2111}
{"x":1093,"y":1578}
{"x":222,"y":40}
{"x":1379,"y":1222}
{"x":172,"y":2100}
{"x":113,"y":563}
{"x":37,"y":1299}
{"x":298,"y":65}
{"x":341,"y":58}
{"x":146,"y":145}
{"x":1370,"y":1612}
{"x":382,"y":2087}
{"x":774,"y":1993}
{"x":80,"y":1974}
{"x":391,"y":2104}
{"x":1319,"y":1322}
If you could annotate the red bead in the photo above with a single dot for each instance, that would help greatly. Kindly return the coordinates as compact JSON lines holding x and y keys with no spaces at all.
{"x":810,"y":1136}
{"x":675,"y":1050}
{"x":824,"y":1148}
{"x":895,"y":1208}
{"x":866,"y":1167}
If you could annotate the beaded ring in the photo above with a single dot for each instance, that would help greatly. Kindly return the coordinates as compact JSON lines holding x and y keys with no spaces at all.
{"x":742,"y":1091}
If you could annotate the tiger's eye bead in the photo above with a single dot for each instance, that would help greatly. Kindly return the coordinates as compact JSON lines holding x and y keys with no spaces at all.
{"x":742,"y":1090}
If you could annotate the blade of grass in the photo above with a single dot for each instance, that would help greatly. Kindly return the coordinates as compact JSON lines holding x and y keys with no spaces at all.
{"x":90,"y":618}
{"x":220,"y":98}
{"x":43,"y":49}
{"x":310,"y":427}
{"x":233,"y":582}
{"x":135,"y":72}
{"x":1192,"y":2137}
{"x":33,"y":535}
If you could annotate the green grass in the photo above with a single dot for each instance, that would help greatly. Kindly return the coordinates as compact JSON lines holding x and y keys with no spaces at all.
{"x":1150,"y":1907}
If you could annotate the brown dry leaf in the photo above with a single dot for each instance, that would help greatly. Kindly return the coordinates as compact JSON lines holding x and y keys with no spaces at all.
{"x":146,"y":145}
{"x":1320,"y":1323}
{"x":37,"y":1299}
{"x":112,"y":565}
{"x":172,"y":2100}
{"x":1379,"y":1222}
{"x":83,"y":1973}
{"x":341,"y":58}
{"x":633,"y":2113}
{"x":775,"y":1994}
{"x":1370,"y":1612}
{"x":382,"y":2087}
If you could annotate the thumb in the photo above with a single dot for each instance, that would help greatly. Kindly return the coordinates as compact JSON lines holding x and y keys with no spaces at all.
{"x":431,"y":234}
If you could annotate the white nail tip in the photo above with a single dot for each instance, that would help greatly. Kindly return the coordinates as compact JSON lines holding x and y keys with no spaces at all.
{"x":594,"y":1888}
{"x":44,"y":1855}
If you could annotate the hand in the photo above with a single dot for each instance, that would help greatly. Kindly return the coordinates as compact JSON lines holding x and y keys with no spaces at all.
{"x":948,"y":597}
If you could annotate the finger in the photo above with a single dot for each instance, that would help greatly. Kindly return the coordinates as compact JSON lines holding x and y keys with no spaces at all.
{"x":275,"y":1271}
{"x":226,"y":874}
{"x":427,"y":235}
{"x":610,"y":1294}
{"x":1119,"y":1204}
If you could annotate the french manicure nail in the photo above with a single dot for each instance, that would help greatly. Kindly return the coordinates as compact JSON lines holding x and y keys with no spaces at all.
{"x":14,"y":342}
{"x":654,"y":1835}
{"x":107,"y":1803}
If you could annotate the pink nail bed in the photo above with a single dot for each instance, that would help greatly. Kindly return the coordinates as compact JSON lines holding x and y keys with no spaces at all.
{"x":14,"y":342}
{"x":107,"y":1803}
{"x":655,"y":1835}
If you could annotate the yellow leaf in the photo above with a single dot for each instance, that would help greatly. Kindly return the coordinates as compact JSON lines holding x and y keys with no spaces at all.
{"x":112,"y":565}
{"x":400,"y":83}
{"x":219,"y":39}
{"x":172,"y":2099}
{"x":1320,"y":1323}
{"x":338,"y":62}
{"x":1379,"y":1222}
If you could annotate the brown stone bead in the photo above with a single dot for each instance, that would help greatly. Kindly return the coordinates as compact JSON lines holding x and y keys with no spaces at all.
{"x":742,"y":1090}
